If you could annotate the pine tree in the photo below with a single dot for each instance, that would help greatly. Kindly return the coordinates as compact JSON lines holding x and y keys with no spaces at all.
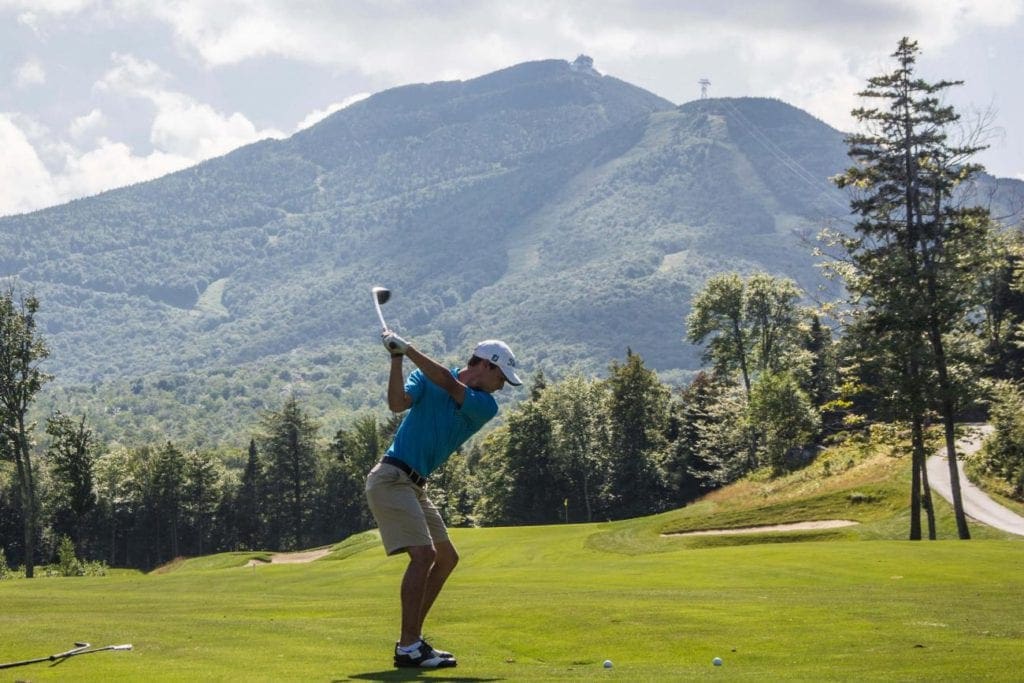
{"x":248,"y":512}
{"x":290,"y":472}
{"x":916,"y":254}
{"x":71,"y":455}
{"x":637,"y":415}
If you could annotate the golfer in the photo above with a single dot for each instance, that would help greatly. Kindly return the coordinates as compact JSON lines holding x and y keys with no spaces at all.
{"x":446,"y":407}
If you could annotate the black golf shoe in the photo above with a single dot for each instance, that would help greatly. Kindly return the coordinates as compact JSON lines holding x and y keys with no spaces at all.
{"x":437,"y":653}
{"x":423,"y":657}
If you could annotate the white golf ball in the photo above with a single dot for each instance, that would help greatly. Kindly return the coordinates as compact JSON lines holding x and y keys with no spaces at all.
{"x":717,"y":661}
{"x":607,"y":663}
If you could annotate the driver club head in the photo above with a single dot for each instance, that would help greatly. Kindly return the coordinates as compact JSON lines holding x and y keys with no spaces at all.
{"x":382,"y":294}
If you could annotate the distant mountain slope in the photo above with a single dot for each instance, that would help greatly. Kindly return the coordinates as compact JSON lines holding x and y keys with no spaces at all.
{"x":571,"y":213}
{"x":290,"y":232}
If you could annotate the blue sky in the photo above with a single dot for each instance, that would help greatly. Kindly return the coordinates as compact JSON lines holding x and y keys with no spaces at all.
{"x":96,"y":94}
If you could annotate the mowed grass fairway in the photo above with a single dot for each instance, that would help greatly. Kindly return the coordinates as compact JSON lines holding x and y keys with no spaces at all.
{"x":552,"y":603}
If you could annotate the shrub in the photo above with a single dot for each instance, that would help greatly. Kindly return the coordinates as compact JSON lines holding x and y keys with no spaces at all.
{"x":5,"y":570}
{"x":67,"y":562}
{"x":94,"y":568}
{"x":1003,"y":453}
{"x":858,"y":498}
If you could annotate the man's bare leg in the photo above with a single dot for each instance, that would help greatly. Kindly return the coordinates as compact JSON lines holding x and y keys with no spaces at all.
{"x":414,"y":590}
{"x":445,"y":559}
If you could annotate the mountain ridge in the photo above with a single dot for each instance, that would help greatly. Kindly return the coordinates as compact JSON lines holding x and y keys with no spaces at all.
{"x":571,"y":213}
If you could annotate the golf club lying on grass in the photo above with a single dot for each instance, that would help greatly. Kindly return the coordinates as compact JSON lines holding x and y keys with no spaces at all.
{"x":78,"y":649}
{"x":381,"y":296}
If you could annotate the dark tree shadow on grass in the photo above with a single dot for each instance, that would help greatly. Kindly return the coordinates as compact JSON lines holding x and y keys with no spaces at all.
{"x":415,"y":675}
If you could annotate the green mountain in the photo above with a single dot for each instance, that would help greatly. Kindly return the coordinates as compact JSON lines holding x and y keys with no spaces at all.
{"x":568,"y":212}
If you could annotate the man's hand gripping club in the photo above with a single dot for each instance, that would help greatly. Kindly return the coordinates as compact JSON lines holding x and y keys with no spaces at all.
{"x":395,"y":345}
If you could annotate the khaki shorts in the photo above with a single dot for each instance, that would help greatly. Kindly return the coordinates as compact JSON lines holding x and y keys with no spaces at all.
{"x":404,"y":514}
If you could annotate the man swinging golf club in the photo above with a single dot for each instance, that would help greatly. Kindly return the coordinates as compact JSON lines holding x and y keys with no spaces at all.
{"x":446,"y":407}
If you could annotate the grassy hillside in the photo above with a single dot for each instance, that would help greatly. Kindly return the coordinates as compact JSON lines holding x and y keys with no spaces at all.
{"x":552,"y":603}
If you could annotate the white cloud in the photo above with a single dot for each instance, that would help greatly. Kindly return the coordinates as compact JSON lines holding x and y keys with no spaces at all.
{"x":33,"y":7}
{"x":182,"y":126}
{"x":319,"y":115}
{"x":131,"y":75}
{"x":112,"y":164}
{"x":377,"y":37}
{"x":815,"y":55}
{"x":29,"y":19}
{"x":81,"y":126}
{"x":38,"y":169}
{"x":24,"y":181}
{"x":191,"y":129}
{"x":29,"y":73}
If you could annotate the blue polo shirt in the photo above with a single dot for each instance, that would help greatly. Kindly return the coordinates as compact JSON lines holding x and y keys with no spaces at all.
{"x":435,"y":426}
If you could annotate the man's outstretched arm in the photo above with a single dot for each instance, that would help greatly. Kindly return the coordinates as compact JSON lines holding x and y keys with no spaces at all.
{"x":434,"y":371}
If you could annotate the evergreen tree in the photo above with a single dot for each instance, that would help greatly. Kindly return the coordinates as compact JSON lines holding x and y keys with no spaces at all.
{"x":352,"y":454}
{"x":288,"y":446}
{"x":113,"y":476}
{"x":453,"y":489}
{"x":166,"y":498}
{"x":71,"y":454}
{"x":917,"y":254}
{"x":202,"y":488}
{"x":520,"y":480}
{"x":637,"y":415}
{"x":821,"y":375}
{"x":247,"y":509}
{"x":894,"y":369}
{"x":687,"y":467}
{"x":1002,"y":296}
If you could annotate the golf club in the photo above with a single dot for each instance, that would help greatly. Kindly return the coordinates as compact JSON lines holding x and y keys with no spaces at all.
{"x":79,"y":649}
{"x":381,"y":296}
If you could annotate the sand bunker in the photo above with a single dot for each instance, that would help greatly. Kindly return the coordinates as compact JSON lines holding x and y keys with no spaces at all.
{"x":292,"y":558}
{"x":797,"y":526}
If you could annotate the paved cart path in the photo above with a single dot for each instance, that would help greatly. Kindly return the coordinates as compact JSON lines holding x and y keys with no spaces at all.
{"x":977,"y":504}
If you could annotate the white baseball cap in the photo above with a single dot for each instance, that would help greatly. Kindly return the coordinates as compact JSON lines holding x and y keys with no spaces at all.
{"x":500,"y":354}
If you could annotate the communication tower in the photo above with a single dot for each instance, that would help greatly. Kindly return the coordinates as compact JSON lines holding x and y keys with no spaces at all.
{"x":704,"y":83}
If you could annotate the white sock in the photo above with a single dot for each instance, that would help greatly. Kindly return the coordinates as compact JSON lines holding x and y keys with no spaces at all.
{"x":409,"y":649}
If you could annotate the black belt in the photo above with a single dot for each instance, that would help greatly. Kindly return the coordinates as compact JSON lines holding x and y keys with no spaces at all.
{"x":400,"y":464}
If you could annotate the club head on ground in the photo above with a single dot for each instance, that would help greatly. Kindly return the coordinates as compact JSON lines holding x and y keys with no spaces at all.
{"x":382,"y":294}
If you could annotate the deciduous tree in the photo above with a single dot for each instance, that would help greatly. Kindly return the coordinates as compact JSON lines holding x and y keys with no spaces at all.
{"x":22,"y":350}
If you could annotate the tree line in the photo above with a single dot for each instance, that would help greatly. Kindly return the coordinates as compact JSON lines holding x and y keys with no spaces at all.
{"x":931,"y":332}
{"x":575,"y":450}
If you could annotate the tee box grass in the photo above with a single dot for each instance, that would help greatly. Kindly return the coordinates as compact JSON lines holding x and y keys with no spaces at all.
{"x":553,"y":603}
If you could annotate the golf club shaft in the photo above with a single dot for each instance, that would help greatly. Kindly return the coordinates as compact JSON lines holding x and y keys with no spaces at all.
{"x":81,"y":649}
